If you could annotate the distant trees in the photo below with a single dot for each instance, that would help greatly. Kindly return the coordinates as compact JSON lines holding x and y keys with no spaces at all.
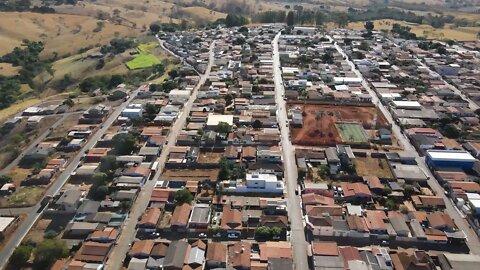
{"x":229,"y":170}
{"x":154,"y":28}
{"x":123,"y":144}
{"x":291,"y":18}
{"x":369,"y":26}
{"x":235,"y":20}
{"x":118,"y":45}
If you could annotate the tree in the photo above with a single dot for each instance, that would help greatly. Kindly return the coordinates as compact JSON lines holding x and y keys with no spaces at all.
{"x":319,"y":18}
{"x":5,"y":179}
{"x":390,"y":204}
{"x":291,"y":18}
{"x":322,"y":170}
{"x":223,"y":127}
{"x":49,"y":251}
{"x":69,"y":102}
{"x":276,"y":231}
{"x":404,"y":209}
{"x":243,"y":29}
{"x":364,"y":46}
{"x":173,"y":73}
{"x":108,"y":164}
{"x":262,"y":232}
{"x":183,"y":196}
{"x":154,"y":28}
{"x":226,"y":168}
{"x":98,"y":193}
{"x":123,"y":144}
{"x":386,"y":191}
{"x":257,"y":124}
{"x":369,"y":26}
{"x":228,"y":99}
{"x":115,"y":80}
{"x":340,"y":18}
{"x":21,"y":255}
{"x":450,"y":131}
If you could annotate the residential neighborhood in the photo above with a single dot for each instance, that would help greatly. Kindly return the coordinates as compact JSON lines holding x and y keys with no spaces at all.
{"x":267,"y":148}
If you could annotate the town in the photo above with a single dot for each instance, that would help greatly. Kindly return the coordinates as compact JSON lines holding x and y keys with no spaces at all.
{"x":268,"y":147}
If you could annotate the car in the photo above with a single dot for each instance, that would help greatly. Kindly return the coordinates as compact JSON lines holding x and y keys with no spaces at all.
{"x":202,"y":235}
{"x":232,"y":236}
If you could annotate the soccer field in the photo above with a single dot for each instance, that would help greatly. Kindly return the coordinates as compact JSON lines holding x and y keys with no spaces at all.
{"x":144,"y":59}
{"x":351,"y":132}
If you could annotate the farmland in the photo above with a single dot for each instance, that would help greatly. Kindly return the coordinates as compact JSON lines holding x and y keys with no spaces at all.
{"x":319,"y":124}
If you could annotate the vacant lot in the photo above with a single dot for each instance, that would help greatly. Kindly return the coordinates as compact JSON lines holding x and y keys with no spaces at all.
{"x":23,"y":197}
{"x":190,"y":174}
{"x":372,"y":167}
{"x":319,"y":122}
{"x":353,"y":133}
{"x":209,"y":157}
{"x":427,"y":31}
{"x":61,"y":33}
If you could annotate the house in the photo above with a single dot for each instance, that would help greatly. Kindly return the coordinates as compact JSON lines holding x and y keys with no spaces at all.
{"x":216,"y":255}
{"x":231,"y":222}
{"x":254,"y":183}
{"x":214,"y":119}
{"x":196,"y":258}
{"x":275,"y":250}
{"x":141,"y":249}
{"x":150,"y":219}
{"x":93,"y":252}
{"x":106,"y":235}
{"x":346,"y":155}
{"x":239,"y":254}
{"x":96,"y":154}
{"x":69,"y":201}
{"x":175,"y":256}
{"x":200,"y":217}
{"x":375,"y":221}
{"x":7,"y":225}
{"x":78,"y":229}
{"x":332,"y":159}
{"x":178,"y":97}
{"x":441,"y":221}
{"x":180,"y":217}
{"x":356,"y":191}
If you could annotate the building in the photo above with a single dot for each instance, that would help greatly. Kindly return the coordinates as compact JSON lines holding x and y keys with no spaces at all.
{"x":449,"y":261}
{"x":214,"y":119}
{"x":6,"y":225}
{"x":450,"y":159}
{"x":200,"y":217}
{"x":255,"y":183}
{"x":179,"y":97}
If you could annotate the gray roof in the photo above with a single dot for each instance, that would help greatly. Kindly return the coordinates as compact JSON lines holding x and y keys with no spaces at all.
{"x":70,"y":196}
{"x":280,"y":264}
{"x":176,"y":253}
{"x":399,"y":224}
{"x":88,"y":206}
{"x":200,"y":213}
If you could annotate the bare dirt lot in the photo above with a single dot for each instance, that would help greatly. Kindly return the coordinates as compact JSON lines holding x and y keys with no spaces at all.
{"x":372,"y":167}
{"x":190,"y":174}
{"x":319,"y":122}
{"x":209,"y":157}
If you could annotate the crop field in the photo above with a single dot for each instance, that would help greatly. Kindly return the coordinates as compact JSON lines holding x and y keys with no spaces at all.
{"x":144,"y":58}
{"x":352,"y":132}
{"x":320,"y":124}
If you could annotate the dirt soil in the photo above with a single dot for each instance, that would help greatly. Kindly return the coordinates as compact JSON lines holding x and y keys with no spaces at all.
{"x":319,"y":122}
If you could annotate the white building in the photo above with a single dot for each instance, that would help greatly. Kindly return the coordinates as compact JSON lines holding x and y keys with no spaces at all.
{"x":214,"y":119}
{"x":255,"y":183}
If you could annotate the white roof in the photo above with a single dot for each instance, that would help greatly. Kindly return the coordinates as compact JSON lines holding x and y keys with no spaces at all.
{"x":261,"y":176}
{"x":341,"y":87}
{"x":406,"y":103}
{"x":179,"y":92}
{"x":5,"y":222}
{"x":449,"y":155}
{"x":214,"y":119}
{"x":347,"y":80}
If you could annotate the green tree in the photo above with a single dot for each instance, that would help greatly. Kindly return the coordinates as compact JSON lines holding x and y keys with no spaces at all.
{"x":322,"y":170}
{"x":319,"y":18}
{"x":276,"y":231}
{"x":340,"y":19}
{"x":115,"y":80}
{"x":226,"y":168}
{"x":404,"y":209}
{"x":450,"y":131}
{"x":183,"y":196}
{"x":369,"y":26}
{"x":108,"y":164}
{"x":291,"y":18}
{"x":223,"y":127}
{"x":21,"y":255}
{"x":48,"y":252}
{"x":154,"y":28}
{"x":263,"y":232}
{"x":5,"y":179}
{"x":364,"y":46}
{"x":123,"y":143}
{"x":386,"y":191}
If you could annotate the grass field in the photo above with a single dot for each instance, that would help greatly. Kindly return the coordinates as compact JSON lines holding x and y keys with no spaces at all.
{"x":8,"y":70}
{"x":25,"y":196}
{"x":353,"y":133}
{"x":61,"y":33}
{"x":144,"y":59}
{"x":427,"y":31}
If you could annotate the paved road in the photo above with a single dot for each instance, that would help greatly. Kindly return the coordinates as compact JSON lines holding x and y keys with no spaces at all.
{"x":17,"y":237}
{"x":295,"y":213}
{"x":473,"y":240}
{"x":118,"y":253}
{"x":38,"y":140}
